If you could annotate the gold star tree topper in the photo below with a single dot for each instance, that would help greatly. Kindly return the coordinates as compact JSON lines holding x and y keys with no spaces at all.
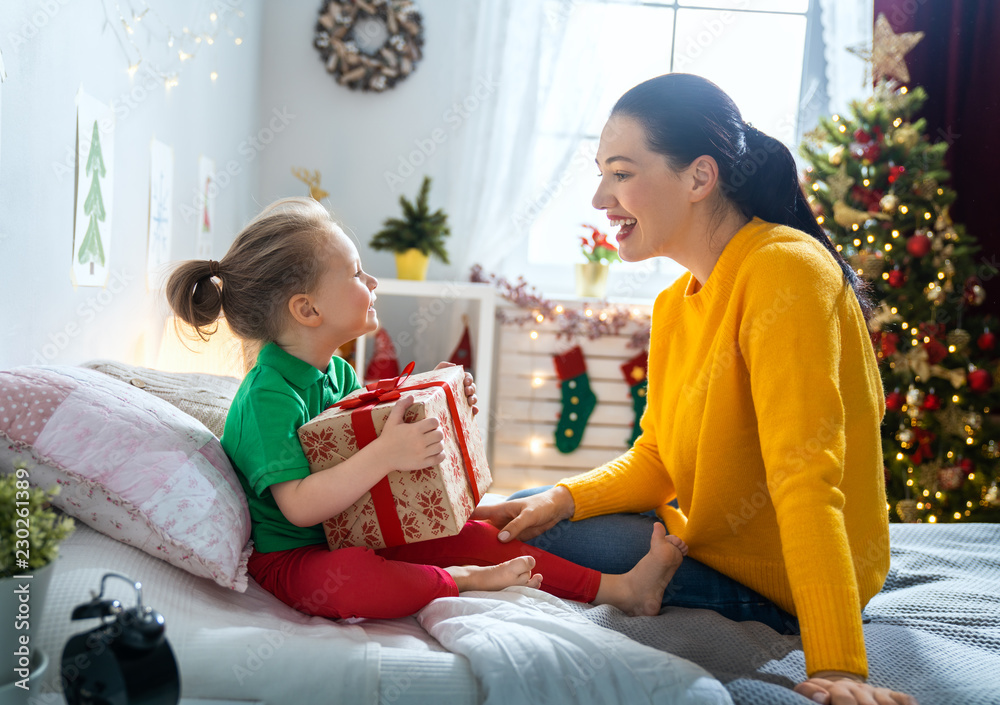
{"x":887,"y":51}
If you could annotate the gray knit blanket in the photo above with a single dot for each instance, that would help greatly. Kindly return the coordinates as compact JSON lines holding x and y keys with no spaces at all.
{"x":934,"y":631}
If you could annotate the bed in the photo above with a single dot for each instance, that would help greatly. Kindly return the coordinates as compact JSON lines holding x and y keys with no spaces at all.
{"x":934,"y":631}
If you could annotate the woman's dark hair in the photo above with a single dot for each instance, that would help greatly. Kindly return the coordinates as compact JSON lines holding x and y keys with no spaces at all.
{"x":686,"y":116}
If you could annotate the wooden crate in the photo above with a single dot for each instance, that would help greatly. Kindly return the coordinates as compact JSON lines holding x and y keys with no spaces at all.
{"x":527,"y":405}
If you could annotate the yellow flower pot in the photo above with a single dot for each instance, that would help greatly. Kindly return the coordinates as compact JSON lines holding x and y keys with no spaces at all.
{"x":592,"y":279}
{"x":412,"y":264}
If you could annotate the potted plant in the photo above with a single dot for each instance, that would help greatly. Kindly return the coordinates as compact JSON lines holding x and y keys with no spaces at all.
{"x":30,"y":533}
{"x":415,"y":236}
{"x":592,"y":275}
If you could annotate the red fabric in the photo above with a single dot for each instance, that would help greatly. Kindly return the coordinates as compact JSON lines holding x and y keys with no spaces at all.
{"x":570,"y":364}
{"x":397,"y":582}
{"x":463,"y":351}
{"x":958,"y":64}
{"x":639,"y":362}
{"x":384,"y":362}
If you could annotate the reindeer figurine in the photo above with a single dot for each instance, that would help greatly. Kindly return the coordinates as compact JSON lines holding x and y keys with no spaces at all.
{"x":311,"y":179}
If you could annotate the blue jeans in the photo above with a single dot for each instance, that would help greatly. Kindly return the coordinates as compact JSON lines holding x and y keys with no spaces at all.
{"x":614,"y":543}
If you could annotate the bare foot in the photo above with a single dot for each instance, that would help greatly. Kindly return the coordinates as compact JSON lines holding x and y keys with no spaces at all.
{"x":516,"y":571}
{"x":639,"y":592}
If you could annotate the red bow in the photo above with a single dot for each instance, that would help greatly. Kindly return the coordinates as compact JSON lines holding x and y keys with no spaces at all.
{"x":923,"y":442}
{"x":378,"y":392}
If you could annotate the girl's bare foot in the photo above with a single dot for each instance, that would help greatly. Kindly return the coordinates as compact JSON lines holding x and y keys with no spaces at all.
{"x":516,"y":571}
{"x":639,"y":592}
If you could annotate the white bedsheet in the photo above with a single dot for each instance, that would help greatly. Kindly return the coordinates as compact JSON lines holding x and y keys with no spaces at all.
{"x":557,"y":655}
{"x":519,"y":645}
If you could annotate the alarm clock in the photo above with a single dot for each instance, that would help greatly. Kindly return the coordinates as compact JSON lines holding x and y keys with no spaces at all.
{"x":126,"y":660}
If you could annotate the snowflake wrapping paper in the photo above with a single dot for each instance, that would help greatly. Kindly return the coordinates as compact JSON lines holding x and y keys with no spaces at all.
{"x":405,"y":506}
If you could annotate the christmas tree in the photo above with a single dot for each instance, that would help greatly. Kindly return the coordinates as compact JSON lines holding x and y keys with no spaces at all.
{"x":879,"y":188}
{"x":91,"y":249}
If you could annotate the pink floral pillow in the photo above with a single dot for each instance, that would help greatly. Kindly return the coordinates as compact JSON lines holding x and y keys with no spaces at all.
{"x":129,"y":465}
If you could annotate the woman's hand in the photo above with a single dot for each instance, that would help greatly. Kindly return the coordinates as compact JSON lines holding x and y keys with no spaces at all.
{"x":470,"y":387}
{"x":410,"y":446}
{"x":527,"y":517}
{"x":836,"y":688}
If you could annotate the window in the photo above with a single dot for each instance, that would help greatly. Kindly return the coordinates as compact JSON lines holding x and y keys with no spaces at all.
{"x":755,"y":50}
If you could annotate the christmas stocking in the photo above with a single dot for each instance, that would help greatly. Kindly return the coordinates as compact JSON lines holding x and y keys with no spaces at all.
{"x":634,"y":371}
{"x":578,"y":400}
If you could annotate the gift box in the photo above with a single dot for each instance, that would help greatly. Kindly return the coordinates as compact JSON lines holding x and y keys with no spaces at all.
{"x":406,"y":506}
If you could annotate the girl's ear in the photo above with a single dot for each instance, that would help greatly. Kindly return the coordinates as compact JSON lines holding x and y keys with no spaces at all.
{"x":303,"y":311}
{"x":704,"y":174}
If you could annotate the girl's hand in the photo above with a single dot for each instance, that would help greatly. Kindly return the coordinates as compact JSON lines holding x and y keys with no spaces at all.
{"x":410,"y":446}
{"x":833,"y":688}
{"x":470,"y":387}
{"x":527,"y":517}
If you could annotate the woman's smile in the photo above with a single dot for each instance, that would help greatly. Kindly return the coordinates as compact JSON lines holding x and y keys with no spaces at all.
{"x":625,"y":226}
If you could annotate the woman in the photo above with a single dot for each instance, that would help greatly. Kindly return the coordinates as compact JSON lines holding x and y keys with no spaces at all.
{"x":760,"y":445}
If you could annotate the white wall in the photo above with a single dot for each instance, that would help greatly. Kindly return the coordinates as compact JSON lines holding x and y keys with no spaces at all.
{"x":354,"y":139}
{"x":50,"y":48}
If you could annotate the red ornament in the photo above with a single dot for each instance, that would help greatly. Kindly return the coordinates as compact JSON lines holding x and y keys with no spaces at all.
{"x":987,"y":341}
{"x":935,"y":351}
{"x":966,"y":465}
{"x":894,"y":402}
{"x":932,"y":402}
{"x":889,"y":344}
{"x":980,"y":381}
{"x":895,"y":172}
{"x":918,"y":245}
{"x":897,"y":278}
{"x":872,"y":151}
{"x":862,"y":136}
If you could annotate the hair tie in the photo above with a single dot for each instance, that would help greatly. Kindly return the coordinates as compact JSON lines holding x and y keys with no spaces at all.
{"x":213,"y":268}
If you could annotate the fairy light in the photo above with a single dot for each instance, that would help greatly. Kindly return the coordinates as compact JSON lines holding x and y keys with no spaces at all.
{"x":899,"y":456}
{"x":854,"y":227}
{"x":213,"y":17}
{"x":904,"y":90}
{"x":954,"y":399}
{"x":820,"y":219}
{"x":951,"y":348}
{"x":842,"y":128}
{"x":871,"y":239}
{"x":214,"y":75}
{"x":857,"y":242}
{"x":897,"y":122}
{"x":937,"y":495}
{"x":940,"y":275}
{"x":969,"y":441}
{"x":836,"y":118}
{"x":815,"y":187}
{"x":940,"y":192}
{"x":957,"y":515}
{"x":540,"y":318}
{"x":537,"y":382}
{"x":533,"y":335}
{"x":905,"y":324}
{"x":589,"y":312}
{"x":932,"y":519}
{"x":914,"y":341}
{"x":972,"y":476}
{"x":904,"y":210}
{"x":132,"y":69}
{"x":885,"y":275}
{"x":559,"y":308}
{"x":927,"y":493}
{"x":536,"y":445}
{"x":895,"y":233}
{"x":909,"y":482}
{"x":603,"y":316}
{"x":888,"y":248}
{"x":866,"y":182}
{"x":840,"y":248}
{"x":927,"y":215}
{"x":238,"y":40}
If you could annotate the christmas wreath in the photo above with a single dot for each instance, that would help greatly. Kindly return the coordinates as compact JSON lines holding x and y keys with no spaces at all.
{"x":369,"y":45}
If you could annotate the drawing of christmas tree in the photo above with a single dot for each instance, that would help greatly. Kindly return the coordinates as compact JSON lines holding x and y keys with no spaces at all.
{"x":91,"y":250}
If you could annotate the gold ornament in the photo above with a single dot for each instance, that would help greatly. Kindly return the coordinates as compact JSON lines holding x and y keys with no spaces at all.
{"x":991,"y":496}
{"x":935,"y":295}
{"x":887,"y":51}
{"x":906,"y":136}
{"x":836,"y":155}
{"x":889,"y":202}
{"x":907,"y":510}
{"x":871,"y":264}
{"x":959,"y":338}
{"x":845,"y":216}
{"x":839,"y":184}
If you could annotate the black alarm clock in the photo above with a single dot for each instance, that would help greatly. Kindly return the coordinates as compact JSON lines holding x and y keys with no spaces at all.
{"x":126,"y":660}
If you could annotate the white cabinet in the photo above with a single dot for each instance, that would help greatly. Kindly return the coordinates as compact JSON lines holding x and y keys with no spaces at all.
{"x":447,"y":292}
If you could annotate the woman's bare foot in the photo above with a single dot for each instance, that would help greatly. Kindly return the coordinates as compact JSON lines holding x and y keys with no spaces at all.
{"x":516,"y":571}
{"x":639,"y":592}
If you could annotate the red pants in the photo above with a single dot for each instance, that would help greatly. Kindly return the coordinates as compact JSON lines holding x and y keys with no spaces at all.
{"x":396,"y":582}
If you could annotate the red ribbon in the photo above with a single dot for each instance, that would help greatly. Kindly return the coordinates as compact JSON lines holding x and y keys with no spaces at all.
{"x":386,"y":390}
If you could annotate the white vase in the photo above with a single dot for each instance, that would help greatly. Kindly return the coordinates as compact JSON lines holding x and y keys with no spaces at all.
{"x":13,"y":615}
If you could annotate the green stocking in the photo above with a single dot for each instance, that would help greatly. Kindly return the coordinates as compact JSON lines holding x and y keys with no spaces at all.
{"x":578,"y":399}
{"x":634,"y":371}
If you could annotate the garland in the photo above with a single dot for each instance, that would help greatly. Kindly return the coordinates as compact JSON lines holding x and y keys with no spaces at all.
{"x":610,"y":320}
{"x":396,"y":59}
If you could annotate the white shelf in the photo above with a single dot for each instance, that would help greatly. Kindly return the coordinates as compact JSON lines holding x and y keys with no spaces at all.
{"x":448,"y":291}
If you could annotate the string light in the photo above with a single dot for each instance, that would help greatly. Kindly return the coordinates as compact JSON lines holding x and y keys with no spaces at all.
{"x":895,"y":233}
{"x":927,"y":215}
{"x":888,"y":248}
{"x":536,"y":445}
{"x":820,"y":219}
{"x":533,"y":335}
{"x":897,"y":122}
{"x":537,"y":382}
{"x":904,"y":210}
{"x":214,"y":75}
{"x":540,"y":318}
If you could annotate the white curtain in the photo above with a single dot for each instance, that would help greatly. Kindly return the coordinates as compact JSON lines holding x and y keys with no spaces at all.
{"x":846,"y":23}
{"x":528,"y":65}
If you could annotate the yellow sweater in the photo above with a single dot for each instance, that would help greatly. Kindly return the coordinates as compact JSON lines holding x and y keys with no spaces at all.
{"x":762,"y":419}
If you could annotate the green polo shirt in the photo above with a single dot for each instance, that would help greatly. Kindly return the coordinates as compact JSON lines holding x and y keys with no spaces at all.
{"x":277,"y":396}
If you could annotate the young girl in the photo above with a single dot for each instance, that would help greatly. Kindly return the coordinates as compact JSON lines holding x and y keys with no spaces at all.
{"x":292,"y":282}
